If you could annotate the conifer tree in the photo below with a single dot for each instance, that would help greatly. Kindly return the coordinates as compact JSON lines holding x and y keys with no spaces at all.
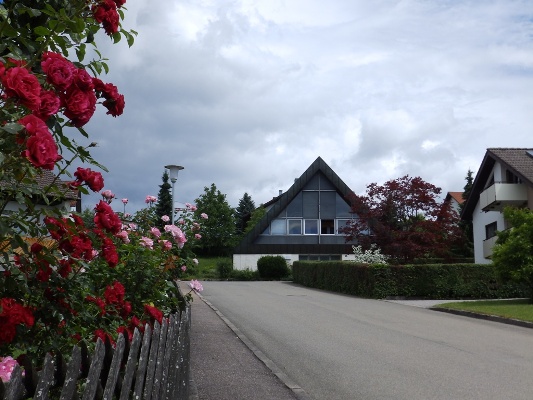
{"x":164,"y":200}
{"x":243,"y":212}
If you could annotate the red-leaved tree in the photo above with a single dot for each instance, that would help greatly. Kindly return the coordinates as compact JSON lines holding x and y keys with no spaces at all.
{"x":405,"y":219}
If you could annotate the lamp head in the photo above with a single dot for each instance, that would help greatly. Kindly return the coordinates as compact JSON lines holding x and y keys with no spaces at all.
{"x":173,"y":172}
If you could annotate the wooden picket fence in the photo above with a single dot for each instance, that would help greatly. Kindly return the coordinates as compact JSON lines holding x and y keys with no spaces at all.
{"x":155,"y":365}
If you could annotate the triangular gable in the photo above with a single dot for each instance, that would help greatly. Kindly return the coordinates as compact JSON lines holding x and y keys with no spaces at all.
{"x":516,"y":160}
{"x":278,"y":204}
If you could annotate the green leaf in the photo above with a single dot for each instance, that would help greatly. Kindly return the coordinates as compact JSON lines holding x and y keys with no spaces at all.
{"x":8,"y":30}
{"x":12,"y":127}
{"x":42,"y":31}
{"x":116,"y":37}
{"x":80,"y":52}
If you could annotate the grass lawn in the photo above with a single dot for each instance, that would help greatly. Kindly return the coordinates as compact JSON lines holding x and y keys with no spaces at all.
{"x":521,"y":309}
{"x":206,"y":268}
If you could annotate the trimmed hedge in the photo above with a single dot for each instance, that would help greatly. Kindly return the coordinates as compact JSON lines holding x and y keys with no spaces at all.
{"x":432,"y":281}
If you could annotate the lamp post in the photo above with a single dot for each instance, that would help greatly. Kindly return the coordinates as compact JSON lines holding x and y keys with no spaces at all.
{"x":173,"y":174}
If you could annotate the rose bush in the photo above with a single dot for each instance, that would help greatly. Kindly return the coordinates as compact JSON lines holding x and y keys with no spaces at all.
{"x":62,"y":278}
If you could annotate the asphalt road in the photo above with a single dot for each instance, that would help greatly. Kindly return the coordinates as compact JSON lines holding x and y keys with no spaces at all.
{"x":341,"y":347}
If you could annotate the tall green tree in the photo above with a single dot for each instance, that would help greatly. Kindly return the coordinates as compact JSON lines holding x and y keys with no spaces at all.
{"x":218,"y":229}
{"x":466,"y":226}
{"x":255,"y":217}
{"x":513,"y":253}
{"x":164,"y":200}
{"x":243,"y":213}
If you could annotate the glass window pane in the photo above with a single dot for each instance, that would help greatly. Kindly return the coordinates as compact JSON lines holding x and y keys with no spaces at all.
{"x":311,"y":227}
{"x":295,"y":226}
{"x":342,"y":224}
{"x":327,"y":205}
{"x":327,"y":227}
{"x":310,"y":204}
{"x":278,"y":227}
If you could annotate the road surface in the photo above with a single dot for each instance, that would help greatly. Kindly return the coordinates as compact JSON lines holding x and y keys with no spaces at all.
{"x":341,"y":347}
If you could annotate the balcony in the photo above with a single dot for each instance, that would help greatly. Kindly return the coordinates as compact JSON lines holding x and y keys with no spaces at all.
{"x":488,"y":244}
{"x":500,"y":195}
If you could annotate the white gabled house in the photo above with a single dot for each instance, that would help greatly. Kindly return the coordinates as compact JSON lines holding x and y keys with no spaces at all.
{"x":505,"y":178}
{"x":303,"y":223}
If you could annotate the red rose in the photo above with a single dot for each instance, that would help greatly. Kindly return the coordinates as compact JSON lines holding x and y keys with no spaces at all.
{"x":36,"y":247}
{"x":41,"y":149}
{"x":109,"y":252}
{"x":65,"y":268}
{"x":115,"y":294}
{"x":105,"y":218}
{"x":99,"y":302}
{"x":154,"y":313}
{"x":49,"y":105}
{"x":16,"y":313}
{"x":83,"y":80}
{"x":79,"y":105}
{"x":44,"y":273}
{"x":8,"y":331}
{"x":59,"y":71}
{"x":114,"y":101}
{"x":21,"y":84}
{"x":106,"y":13}
{"x":94,"y":179}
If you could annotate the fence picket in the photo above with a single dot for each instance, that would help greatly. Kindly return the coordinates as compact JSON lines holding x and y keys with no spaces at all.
{"x":156,"y":368}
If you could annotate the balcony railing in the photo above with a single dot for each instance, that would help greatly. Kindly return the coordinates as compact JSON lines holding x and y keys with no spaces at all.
{"x":488,"y":244}
{"x":500,"y":195}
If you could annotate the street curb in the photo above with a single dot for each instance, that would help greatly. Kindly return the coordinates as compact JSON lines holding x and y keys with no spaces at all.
{"x":299,"y":393}
{"x":487,"y":317}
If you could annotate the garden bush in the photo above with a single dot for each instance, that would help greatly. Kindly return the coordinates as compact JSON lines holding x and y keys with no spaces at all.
{"x":224,"y":268}
{"x":272,"y":267}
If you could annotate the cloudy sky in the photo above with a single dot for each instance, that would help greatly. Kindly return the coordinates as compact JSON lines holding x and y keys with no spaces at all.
{"x":246,"y":94}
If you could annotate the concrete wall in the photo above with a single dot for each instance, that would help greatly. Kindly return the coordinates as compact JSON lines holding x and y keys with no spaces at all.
{"x":249,"y":261}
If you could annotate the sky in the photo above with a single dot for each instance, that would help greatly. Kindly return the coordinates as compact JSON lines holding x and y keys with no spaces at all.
{"x":246,"y":94}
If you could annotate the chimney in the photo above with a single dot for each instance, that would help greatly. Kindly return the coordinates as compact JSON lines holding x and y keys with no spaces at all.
{"x":280,"y":192}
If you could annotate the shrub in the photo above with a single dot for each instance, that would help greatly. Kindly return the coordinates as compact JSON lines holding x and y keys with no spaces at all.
{"x":244,"y":275}
{"x":224,"y":268}
{"x":272,"y":267}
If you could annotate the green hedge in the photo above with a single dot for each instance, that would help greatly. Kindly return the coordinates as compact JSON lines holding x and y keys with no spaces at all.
{"x":431,"y":281}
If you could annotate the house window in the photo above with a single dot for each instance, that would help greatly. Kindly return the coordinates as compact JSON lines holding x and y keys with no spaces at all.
{"x":327,"y":227}
{"x":490,"y":230}
{"x":311,"y":227}
{"x":341,"y":225}
{"x":511,"y":178}
{"x":278,"y":227}
{"x":294,"y":226}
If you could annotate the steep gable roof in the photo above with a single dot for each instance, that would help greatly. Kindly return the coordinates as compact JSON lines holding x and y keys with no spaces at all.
{"x":457,"y":196}
{"x":517,"y":160}
{"x":277,"y":204}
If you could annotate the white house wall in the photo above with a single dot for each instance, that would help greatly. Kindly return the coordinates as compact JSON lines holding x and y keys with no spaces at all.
{"x":249,"y":261}
{"x":479,"y":220}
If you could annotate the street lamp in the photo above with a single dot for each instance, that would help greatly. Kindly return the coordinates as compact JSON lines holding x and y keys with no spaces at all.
{"x":173,"y":174}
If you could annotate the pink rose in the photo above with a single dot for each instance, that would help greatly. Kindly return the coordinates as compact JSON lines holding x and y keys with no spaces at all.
{"x":156,"y":232}
{"x":197,"y":236}
{"x":196,"y":286}
{"x":165,"y":218}
{"x":165,"y":244}
{"x":123,"y":235}
{"x":7,"y":365}
{"x":146,"y":242}
{"x":183,"y":268}
{"x":204,"y":216}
